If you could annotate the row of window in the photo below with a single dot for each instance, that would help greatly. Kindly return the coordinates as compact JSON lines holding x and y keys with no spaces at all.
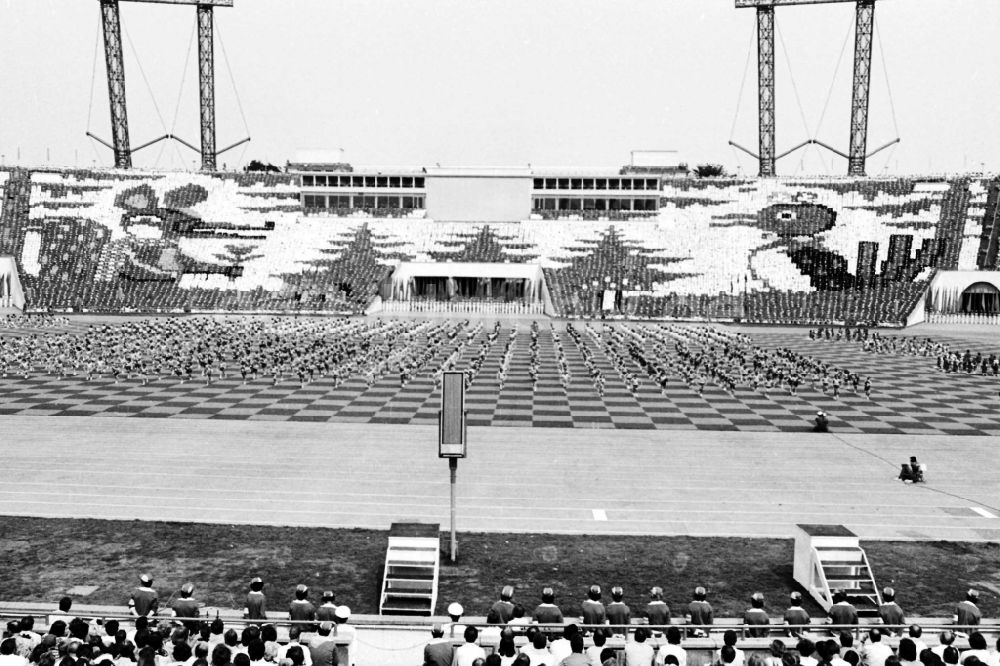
{"x":614,"y":203}
{"x":597,"y":184}
{"x":361,"y":201}
{"x":408,"y":182}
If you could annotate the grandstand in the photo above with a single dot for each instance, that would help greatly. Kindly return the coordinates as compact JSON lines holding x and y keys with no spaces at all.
{"x":334,"y":240}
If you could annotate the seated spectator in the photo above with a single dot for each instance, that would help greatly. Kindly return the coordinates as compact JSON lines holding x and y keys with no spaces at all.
{"x":729,"y":639}
{"x":470,"y":651}
{"x":561,"y":647}
{"x":977,"y":649}
{"x":890,"y":612}
{"x":618,"y":613}
{"x":594,"y":651}
{"x":727,"y":656}
{"x":547,"y":612}
{"x":657,"y":612}
{"x":672,"y":648}
{"x":755,"y":616}
{"x":907,"y":652}
{"x":506,"y":649}
{"x":438,"y":652}
{"x":8,"y":653}
{"x":842,"y":612}
{"x":322,"y":648}
{"x":777,"y":650}
{"x":795,"y":614}
{"x":637,"y":651}
{"x":945,"y":640}
{"x":806,"y":648}
{"x":876,"y":651}
{"x":576,"y":657}
{"x":538,"y":650}
{"x":915,"y":632}
{"x":294,"y":636}
{"x":967,"y":614}
{"x":700,"y":613}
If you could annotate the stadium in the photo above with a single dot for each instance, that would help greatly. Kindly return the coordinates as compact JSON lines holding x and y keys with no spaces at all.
{"x":342,"y":413}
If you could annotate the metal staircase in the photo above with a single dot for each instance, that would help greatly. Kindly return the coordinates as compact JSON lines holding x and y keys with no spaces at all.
{"x":412,"y":565}
{"x":829,"y":558}
{"x":845,"y":568}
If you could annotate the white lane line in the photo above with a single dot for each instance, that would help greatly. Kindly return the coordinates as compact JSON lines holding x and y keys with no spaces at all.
{"x":599,"y":514}
{"x":982,"y":512}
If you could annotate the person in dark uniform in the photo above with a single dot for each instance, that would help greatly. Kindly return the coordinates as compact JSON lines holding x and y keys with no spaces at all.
{"x":822,"y":422}
{"x":755,"y":616}
{"x":618,"y":612}
{"x":547,"y":612}
{"x":144,"y":601}
{"x":504,"y":607}
{"x":967,"y":613}
{"x":301,"y":609}
{"x":699,"y":611}
{"x":795,"y":614}
{"x":256,"y":601}
{"x":657,"y":612}
{"x":842,"y":612}
{"x":327,"y":609}
{"x":187,"y":607}
{"x":890,"y":612}
{"x":439,"y":652}
{"x":593,"y":609}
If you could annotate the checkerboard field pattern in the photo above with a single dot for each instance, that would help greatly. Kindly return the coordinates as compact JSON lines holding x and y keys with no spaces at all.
{"x":909,"y":395}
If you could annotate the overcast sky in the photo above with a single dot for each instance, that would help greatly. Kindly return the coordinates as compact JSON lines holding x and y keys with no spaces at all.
{"x":507,"y":82}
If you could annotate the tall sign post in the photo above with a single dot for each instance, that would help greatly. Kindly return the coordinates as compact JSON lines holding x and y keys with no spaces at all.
{"x":452,"y":435}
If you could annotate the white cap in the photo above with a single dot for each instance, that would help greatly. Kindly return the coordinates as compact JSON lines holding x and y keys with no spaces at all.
{"x":455,"y":608}
{"x":342,"y":613}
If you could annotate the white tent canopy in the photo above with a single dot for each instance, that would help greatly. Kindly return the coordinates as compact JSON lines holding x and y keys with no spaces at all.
{"x":947,"y":288}
{"x":11,"y":294}
{"x":403,"y":277}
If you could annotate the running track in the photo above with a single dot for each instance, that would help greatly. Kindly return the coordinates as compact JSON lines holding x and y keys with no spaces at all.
{"x":515,"y":479}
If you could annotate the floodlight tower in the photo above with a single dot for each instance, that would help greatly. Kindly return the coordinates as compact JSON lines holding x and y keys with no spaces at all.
{"x":111,"y":22}
{"x":865,"y":22}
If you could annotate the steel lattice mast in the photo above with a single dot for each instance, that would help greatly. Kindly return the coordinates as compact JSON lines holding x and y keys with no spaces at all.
{"x":765,"y":88}
{"x":862,"y":84}
{"x":206,"y":82}
{"x":115,"y":63}
{"x":765,"y":83}
{"x":206,"y":78}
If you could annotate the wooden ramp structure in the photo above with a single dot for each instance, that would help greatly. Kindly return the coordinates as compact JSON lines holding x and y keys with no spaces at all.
{"x":412,"y":567}
{"x":830,"y":558}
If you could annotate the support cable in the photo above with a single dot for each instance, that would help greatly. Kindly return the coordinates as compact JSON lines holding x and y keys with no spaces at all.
{"x":232,"y":80}
{"x":93,"y":84}
{"x":829,"y":96}
{"x":746,"y":72}
{"x":180,"y":91}
{"x":145,"y":80}
{"x":93,"y":76}
{"x":885,"y":73}
{"x":791,"y":76}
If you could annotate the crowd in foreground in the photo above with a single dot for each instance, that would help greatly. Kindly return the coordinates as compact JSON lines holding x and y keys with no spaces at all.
{"x":609,"y":635}
{"x":602,"y":634}
{"x":189,"y":639}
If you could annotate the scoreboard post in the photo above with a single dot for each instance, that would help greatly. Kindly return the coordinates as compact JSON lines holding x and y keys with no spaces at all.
{"x":452,"y":435}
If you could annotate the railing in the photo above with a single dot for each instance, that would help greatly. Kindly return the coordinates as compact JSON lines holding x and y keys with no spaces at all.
{"x":961,"y":318}
{"x":465,"y":306}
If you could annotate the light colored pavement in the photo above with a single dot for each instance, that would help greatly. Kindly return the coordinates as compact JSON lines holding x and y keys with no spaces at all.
{"x":515,"y":479}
